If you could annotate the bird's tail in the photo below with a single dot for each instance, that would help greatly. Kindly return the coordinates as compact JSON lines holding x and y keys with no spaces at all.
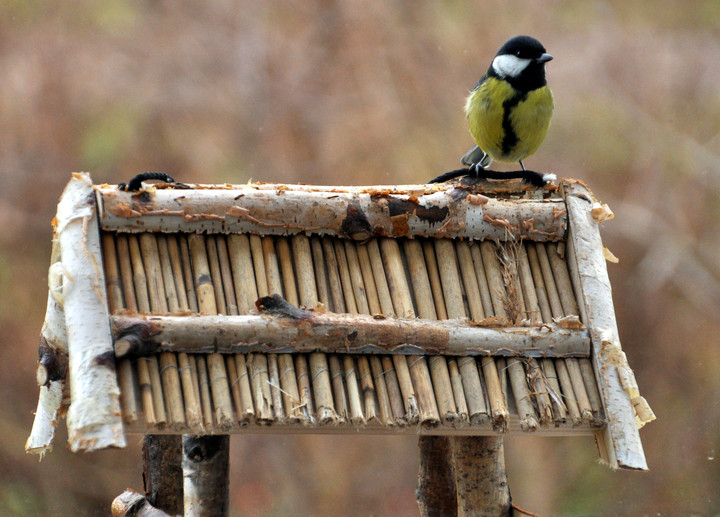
{"x":476,"y":155}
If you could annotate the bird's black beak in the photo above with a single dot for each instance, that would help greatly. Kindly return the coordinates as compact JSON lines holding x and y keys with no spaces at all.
{"x":544,"y":58}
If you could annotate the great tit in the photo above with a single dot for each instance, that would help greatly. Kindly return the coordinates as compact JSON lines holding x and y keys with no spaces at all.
{"x":509,"y":109}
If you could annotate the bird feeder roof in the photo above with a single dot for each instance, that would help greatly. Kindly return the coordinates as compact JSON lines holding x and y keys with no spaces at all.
{"x":467,"y":308}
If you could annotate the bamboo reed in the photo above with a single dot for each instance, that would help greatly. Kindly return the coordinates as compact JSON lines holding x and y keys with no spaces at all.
{"x":334,"y":282}
{"x":470,"y":281}
{"x":304,"y":389}
{"x":213,"y":262}
{"x":235,"y":389}
{"x":434,"y":278}
{"x":493,"y":273}
{"x":553,"y":385}
{"x":396,"y":279}
{"x":368,"y":277}
{"x":195,"y":379}
{"x":495,"y":393}
{"x":394,"y":392}
{"x":242,"y":380}
{"x":381,"y":282}
{"x":123,"y":250}
{"x":540,"y":289}
{"x":172,"y":391}
{"x":356,"y":278}
{"x":170,"y":292}
{"x":368,"y":388}
{"x":550,"y":285}
{"x":193,"y":412}
{"x":321,"y":275}
{"x":146,"y":392}
{"x":458,"y":391}
{"x":231,"y":305}
{"x":562,"y":280}
{"x":258,"y":258}
{"x":568,"y":393}
{"x":177,"y":273}
{"x":442,"y":389}
{"x":450,"y":277}
{"x":345,"y":280}
{"x":322,"y":389}
{"x":518,"y":383}
{"x":153,"y":272}
{"x":258,"y":366}
{"x":116,"y":302}
{"x":381,"y":391}
{"x":275,"y":389}
{"x":351,"y":380}
{"x":139,"y":279}
{"x":201,"y":270}
{"x":339,"y":394}
{"x":428,"y":413}
{"x":204,"y":387}
{"x":112,"y":274}
{"x":482,"y":279}
{"x":591,"y":390}
{"x":188,"y":275}
{"x":291,"y":396}
{"x":272,"y":267}
{"x":476,"y":407}
{"x":242,"y":272}
{"x":532,"y":307}
{"x":410,"y":398}
{"x":501,"y":366}
{"x":420,"y":280}
{"x":285,"y":262}
{"x":157,"y":391}
{"x":306,"y":278}
{"x":579,"y":388}
{"x":127,"y":391}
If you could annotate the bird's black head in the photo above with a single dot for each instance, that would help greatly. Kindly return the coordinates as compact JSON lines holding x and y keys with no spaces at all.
{"x":521,"y":62}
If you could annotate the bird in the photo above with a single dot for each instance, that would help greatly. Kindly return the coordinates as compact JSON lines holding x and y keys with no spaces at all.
{"x":509,"y":110}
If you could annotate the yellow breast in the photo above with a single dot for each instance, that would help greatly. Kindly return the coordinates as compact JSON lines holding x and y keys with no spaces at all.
{"x":508,"y":131}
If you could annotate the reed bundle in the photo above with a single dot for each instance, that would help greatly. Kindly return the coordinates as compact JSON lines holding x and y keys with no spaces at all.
{"x":176,"y":389}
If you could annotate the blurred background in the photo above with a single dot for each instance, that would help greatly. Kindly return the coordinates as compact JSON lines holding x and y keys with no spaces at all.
{"x":360,"y":92}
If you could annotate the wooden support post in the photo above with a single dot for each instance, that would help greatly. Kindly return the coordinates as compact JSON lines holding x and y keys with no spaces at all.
{"x":462,"y":476}
{"x":435,"y":492}
{"x":162,"y":472}
{"x":205,"y":465}
{"x":480,"y":478}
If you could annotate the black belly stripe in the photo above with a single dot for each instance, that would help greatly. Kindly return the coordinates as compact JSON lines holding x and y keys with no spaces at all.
{"x":510,"y":139}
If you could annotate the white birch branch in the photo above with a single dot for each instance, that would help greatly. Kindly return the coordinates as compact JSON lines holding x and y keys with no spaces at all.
{"x":54,"y":337}
{"x":94,"y":417}
{"x":354,"y":212}
{"x":622,"y":437}
{"x":340,"y":333}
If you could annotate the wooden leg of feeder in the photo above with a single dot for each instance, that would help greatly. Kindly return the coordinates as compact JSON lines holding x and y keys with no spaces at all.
{"x":435,"y":492}
{"x":162,"y":472}
{"x":205,"y":463}
{"x":480,"y":478}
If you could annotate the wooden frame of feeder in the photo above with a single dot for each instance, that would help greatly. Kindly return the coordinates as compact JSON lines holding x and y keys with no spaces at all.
{"x":378,"y":215}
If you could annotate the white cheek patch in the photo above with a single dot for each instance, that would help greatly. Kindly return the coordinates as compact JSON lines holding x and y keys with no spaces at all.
{"x":509,"y":66}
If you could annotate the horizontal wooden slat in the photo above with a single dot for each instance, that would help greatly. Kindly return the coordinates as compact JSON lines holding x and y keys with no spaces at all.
{"x":355,"y":212}
{"x":341,"y":333}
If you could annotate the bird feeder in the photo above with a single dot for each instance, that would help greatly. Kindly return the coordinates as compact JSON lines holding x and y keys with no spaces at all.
{"x":455,"y":309}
